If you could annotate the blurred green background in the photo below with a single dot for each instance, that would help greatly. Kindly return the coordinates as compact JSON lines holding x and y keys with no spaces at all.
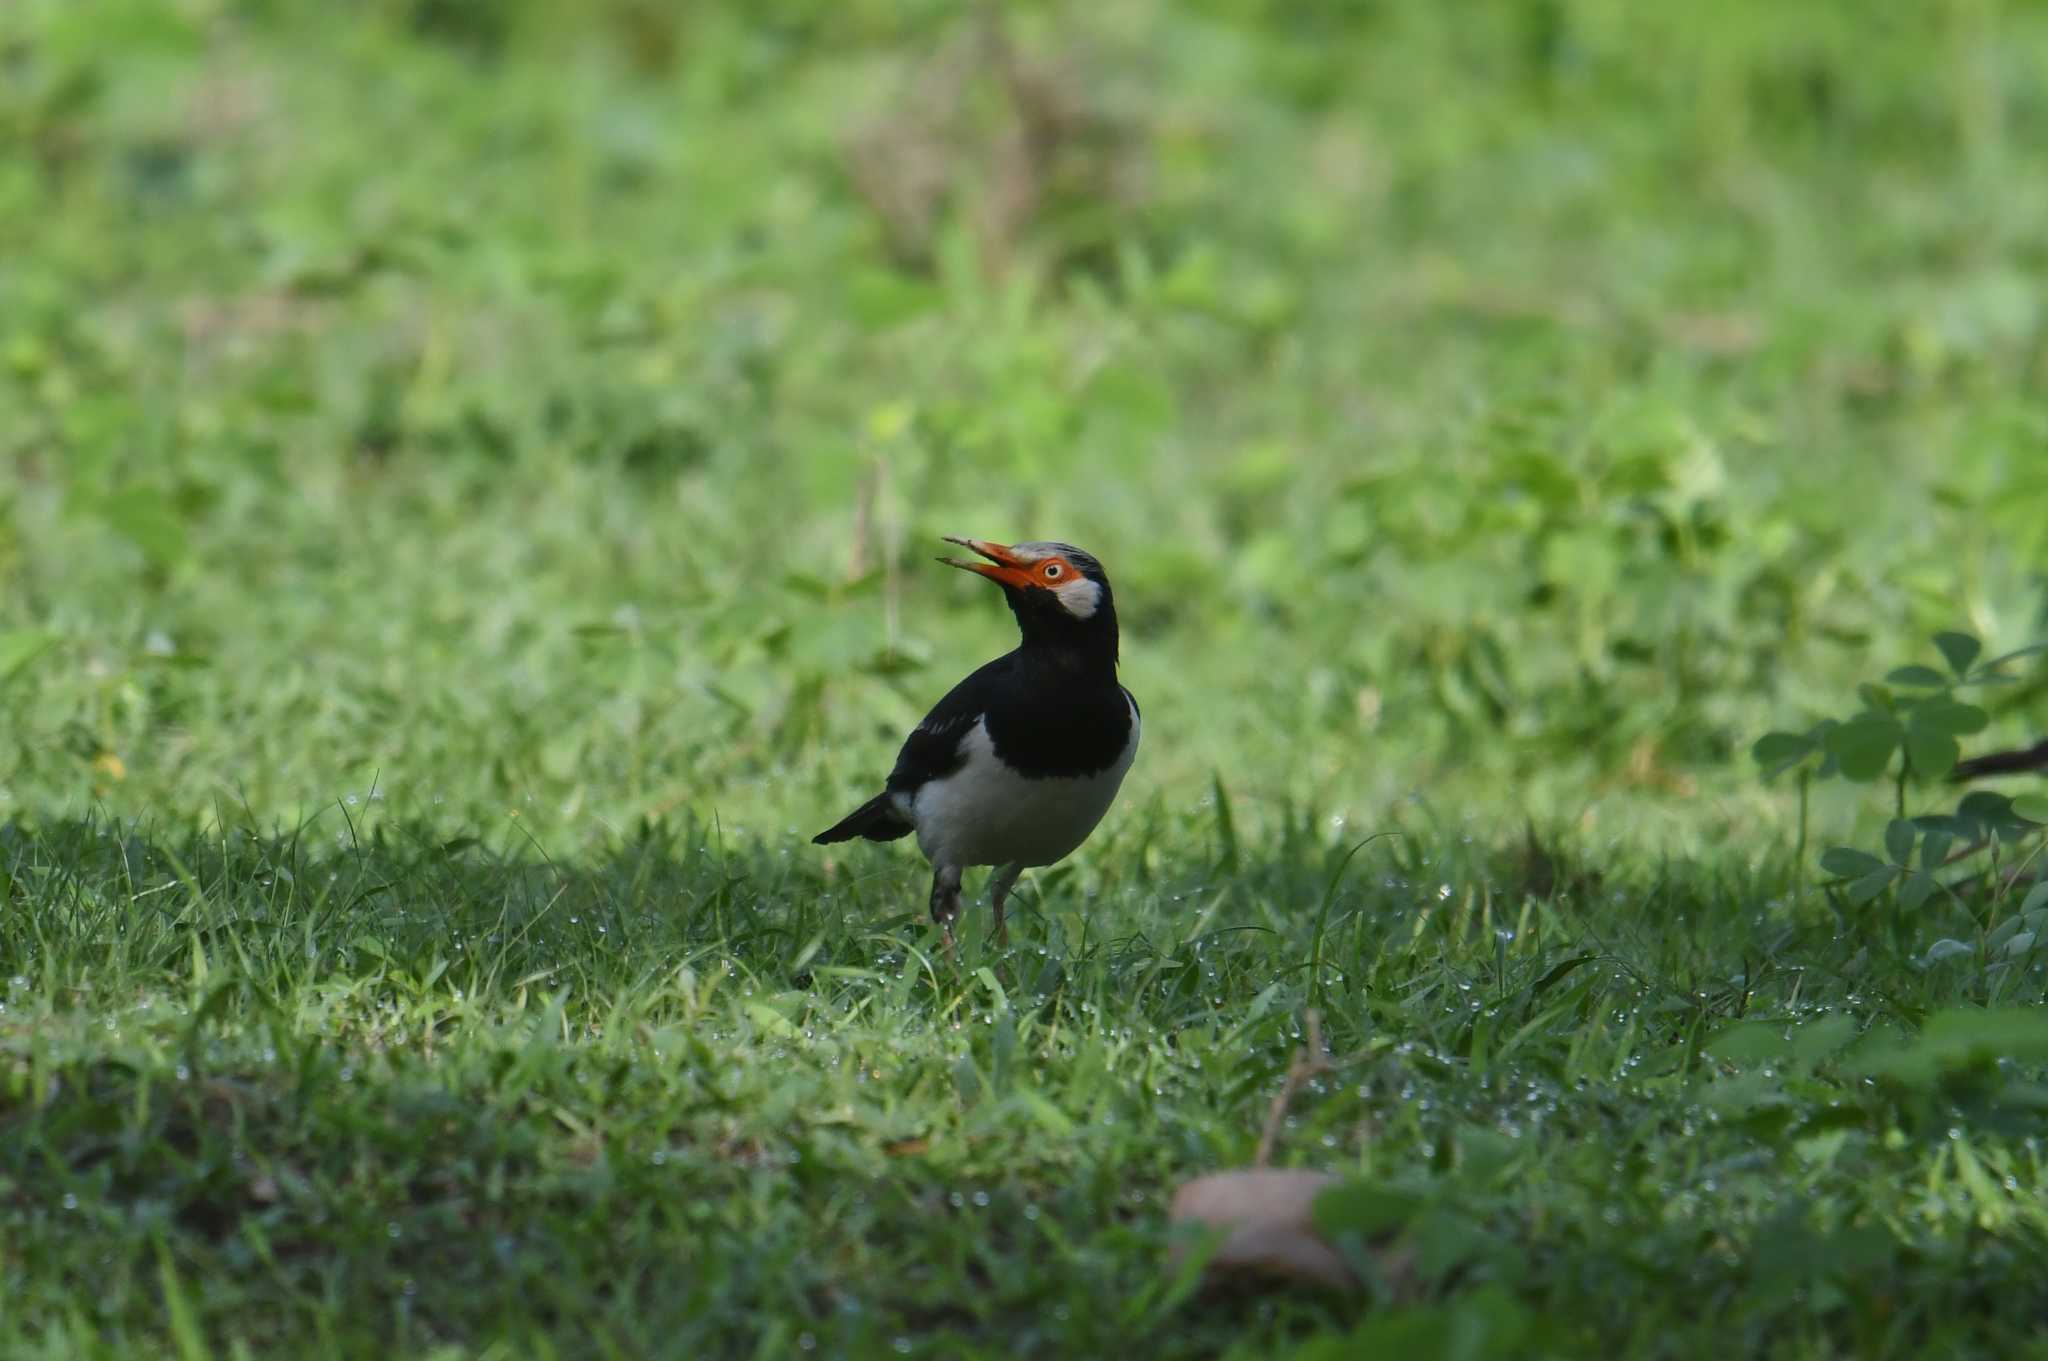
{"x":530,"y":424}
{"x":476,"y":410}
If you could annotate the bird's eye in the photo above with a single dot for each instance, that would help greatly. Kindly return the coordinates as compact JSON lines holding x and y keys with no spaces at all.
{"x":1052,"y":571}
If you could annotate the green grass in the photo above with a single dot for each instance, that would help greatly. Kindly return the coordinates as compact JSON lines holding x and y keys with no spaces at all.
{"x":467,"y":479}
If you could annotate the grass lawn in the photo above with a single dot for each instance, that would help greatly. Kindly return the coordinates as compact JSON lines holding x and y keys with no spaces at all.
{"x":468,"y":479}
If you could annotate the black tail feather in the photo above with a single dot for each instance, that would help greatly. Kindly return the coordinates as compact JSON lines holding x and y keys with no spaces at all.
{"x":2002,"y":763}
{"x":877,"y":820}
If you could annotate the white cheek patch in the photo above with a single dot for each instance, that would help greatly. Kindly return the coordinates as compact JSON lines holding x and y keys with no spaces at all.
{"x":1079,"y":597}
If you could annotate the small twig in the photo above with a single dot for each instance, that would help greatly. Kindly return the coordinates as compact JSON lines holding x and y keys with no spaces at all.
{"x":863,"y":525}
{"x":1309,"y":1061}
{"x":887,"y":536}
{"x":1965,"y":853}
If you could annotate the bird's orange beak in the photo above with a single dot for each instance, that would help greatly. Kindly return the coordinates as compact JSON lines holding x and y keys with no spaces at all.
{"x":1003,"y":565}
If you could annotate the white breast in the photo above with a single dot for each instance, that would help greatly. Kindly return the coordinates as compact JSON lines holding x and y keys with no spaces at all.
{"x":986,"y":814}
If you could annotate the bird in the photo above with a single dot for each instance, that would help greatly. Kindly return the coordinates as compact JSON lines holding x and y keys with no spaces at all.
{"x":1020,"y":761}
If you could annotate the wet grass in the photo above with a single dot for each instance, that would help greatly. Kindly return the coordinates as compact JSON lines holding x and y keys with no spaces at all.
{"x":681,"y":1098}
{"x":465,"y":479}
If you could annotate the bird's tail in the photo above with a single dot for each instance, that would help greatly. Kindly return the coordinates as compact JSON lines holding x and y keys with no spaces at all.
{"x":877,"y":820}
{"x":2002,"y":763}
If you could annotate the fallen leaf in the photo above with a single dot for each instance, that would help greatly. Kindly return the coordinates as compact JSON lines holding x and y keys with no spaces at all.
{"x":1269,"y":1228}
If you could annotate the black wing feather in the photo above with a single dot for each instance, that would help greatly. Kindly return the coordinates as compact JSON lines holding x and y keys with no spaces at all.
{"x":932,"y":751}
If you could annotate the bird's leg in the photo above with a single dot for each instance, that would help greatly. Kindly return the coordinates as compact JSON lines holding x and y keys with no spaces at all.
{"x":998,"y":893}
{"x":946,"y":900}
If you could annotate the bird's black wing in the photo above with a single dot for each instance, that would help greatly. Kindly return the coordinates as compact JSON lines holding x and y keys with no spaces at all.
{"x":932,"y":750}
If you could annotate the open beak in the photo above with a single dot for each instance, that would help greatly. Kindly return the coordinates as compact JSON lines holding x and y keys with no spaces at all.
{"x":1003,"y":566}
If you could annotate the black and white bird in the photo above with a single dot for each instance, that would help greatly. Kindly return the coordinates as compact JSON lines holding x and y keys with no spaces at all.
{"x":1016,"y":765}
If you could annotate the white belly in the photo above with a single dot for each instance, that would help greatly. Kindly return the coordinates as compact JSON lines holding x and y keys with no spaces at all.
{"x":986,"y":814}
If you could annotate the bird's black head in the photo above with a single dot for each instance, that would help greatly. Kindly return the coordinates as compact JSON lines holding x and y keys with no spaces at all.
{"x":1059,"y":594}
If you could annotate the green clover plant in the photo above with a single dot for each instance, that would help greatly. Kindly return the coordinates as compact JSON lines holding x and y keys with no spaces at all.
{"x":1909,"y":730}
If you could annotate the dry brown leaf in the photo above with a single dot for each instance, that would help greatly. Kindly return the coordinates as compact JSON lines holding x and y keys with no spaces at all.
{"x":1267,"y":1217}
